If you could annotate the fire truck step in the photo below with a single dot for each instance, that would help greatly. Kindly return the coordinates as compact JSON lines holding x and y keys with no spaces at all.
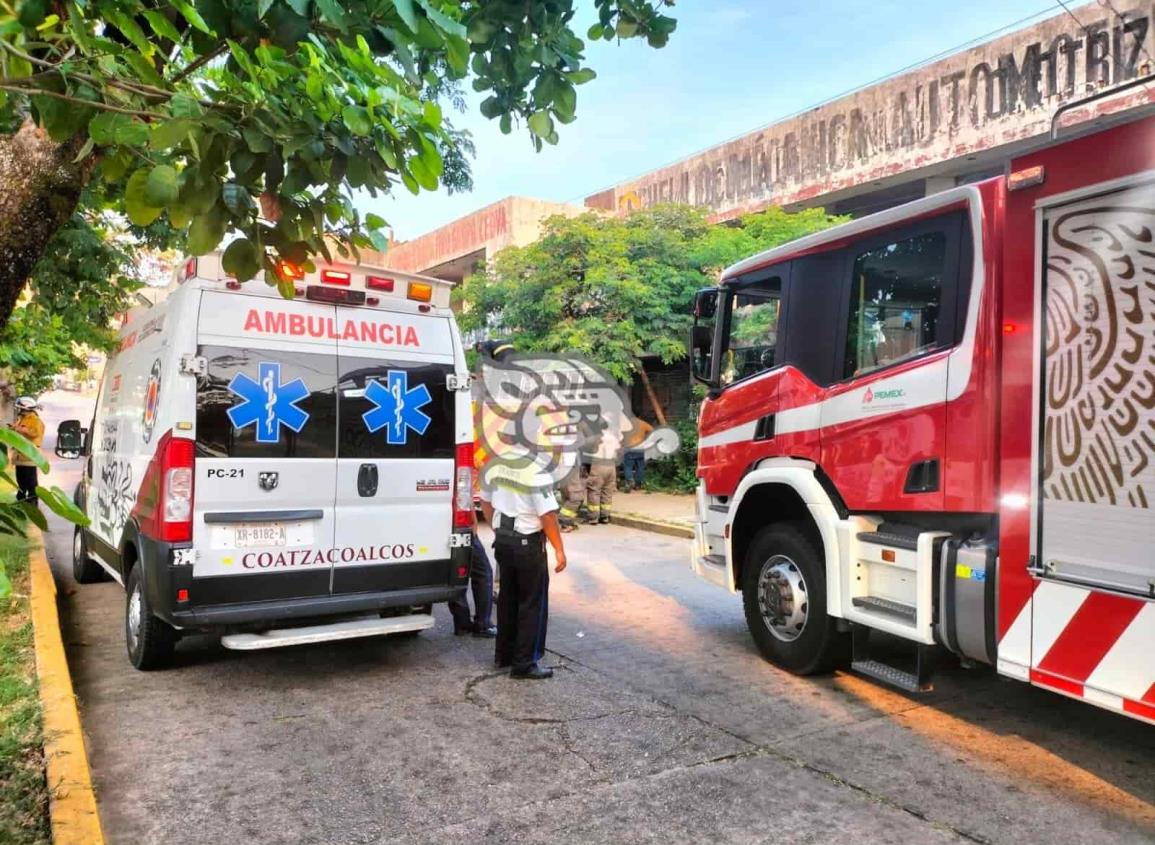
{"x":889,"y":675}
{"x":896,"y":536}
{"x":906,"y":612}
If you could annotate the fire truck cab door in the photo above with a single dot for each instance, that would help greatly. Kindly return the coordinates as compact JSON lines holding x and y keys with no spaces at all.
{"x":884,"y":422}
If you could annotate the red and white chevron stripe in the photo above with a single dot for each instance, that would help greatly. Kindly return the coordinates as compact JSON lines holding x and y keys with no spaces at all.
{"x":1095,"y":646}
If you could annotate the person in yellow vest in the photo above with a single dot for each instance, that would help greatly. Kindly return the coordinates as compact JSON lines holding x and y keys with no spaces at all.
{"x":28,"y":424}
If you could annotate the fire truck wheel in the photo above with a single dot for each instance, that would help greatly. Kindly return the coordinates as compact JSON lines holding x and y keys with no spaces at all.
{"x":150,"y":640}
{"x":784,"y":593}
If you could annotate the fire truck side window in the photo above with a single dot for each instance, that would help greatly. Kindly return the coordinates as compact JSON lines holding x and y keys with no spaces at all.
{"x":895,"y":302}
{"x":752,"y":339}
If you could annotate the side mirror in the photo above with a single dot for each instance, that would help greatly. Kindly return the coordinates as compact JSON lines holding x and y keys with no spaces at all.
{"x":69,"y":439}
{"x":702,"y":358}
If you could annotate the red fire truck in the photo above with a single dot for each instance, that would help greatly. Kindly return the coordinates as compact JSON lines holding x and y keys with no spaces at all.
{"x":938,"y":422}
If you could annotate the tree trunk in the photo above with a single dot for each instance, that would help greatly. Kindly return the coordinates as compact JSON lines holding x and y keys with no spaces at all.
{"x":659,"y":412}
{"x":40,"y":186}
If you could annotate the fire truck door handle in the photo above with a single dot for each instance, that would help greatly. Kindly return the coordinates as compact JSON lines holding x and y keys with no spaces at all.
{"x":367,"y":480}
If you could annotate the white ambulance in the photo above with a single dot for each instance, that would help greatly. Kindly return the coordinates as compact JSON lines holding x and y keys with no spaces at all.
{"x":281,"y":471}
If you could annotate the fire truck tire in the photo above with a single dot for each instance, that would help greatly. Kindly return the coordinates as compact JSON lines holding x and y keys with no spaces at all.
{"x":784,"y":594}
{"x":150,"y":640}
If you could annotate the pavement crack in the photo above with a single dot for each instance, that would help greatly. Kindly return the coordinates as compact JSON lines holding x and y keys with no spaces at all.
{"x":760,"y":750}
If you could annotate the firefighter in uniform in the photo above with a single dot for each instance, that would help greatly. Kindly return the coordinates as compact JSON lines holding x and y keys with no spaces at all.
{"x":29,"y":424}
{"x":522,"y":521}
{"x":603,"y":478}
{"x":573,"y":497}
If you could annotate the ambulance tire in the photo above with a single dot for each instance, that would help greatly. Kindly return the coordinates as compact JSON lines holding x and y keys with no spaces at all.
{"x":785,"y":555}
{"x":151,"y":645}
{"x":85,"y":570}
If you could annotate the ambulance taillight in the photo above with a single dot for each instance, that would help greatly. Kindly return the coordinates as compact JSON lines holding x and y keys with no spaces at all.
{"x":336,"y":277}
{"x":463,"y":486}
{"x":176,"y":493}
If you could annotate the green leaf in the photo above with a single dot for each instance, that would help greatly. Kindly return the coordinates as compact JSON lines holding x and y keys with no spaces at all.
{"x":565,"y":103}
{"x":60,"y":504}
{"x":182,"y":105}
{"x":242,"y":259}
{"x":162,"y":26}
{"x":170,"y":133}
{"x":263,"y":7}
{"x":206,"y":232}
{"x":102,"y":128}
{"x":34,"y":515}
{"x":380,"y":241}
{"x":446,"y":23}
{"x":5,"y":583}
{"x":131,"y":132}
{"x":332,"y":11}
{"x":191,"y":15}
{"x":374,"y":221}
{"x":257,"y":140}
{"x":301,"y":7}
{"x":405,"y":10}
{"x":130,"y":29}
{"x":161,"y":187}
{"x":582,"y":76}
{"x":540,"y":124}
{"x":357,"y":119}
{"x":19,"y":443}
{"x":137,"y":206}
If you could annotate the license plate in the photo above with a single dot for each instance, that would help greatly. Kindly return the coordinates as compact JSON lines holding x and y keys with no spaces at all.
{"x":263,"y":535}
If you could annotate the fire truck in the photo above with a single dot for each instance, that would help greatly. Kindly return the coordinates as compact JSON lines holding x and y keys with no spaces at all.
{"x":933,"y":429}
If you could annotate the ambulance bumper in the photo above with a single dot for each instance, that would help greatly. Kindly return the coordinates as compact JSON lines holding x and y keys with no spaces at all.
{"x":305,"y":608}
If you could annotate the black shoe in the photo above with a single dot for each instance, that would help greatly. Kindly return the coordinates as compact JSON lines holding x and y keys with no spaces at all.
{"x":462,"y":630}
{"x":502,"y":664}
{"x":532,"y":673}
{"x":485,"y":633}
{"x":605,"y":520}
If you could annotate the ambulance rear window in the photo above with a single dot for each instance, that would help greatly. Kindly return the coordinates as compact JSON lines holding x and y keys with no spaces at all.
{"x":395,"y":409}
{"x":258,"y":403}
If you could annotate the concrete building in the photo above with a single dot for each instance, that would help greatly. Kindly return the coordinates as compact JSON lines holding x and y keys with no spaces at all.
{"x":946,"y":123}
{"x":452,"y":251}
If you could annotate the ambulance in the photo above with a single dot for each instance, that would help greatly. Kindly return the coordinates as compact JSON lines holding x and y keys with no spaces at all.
{"x":281,"y":471}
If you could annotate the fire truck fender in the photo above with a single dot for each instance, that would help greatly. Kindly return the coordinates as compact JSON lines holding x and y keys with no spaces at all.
{"x":785,"y":490}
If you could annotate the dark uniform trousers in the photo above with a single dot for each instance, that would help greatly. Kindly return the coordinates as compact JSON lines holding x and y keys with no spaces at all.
{"x":481,"y":584}
{"x":523,"y":601}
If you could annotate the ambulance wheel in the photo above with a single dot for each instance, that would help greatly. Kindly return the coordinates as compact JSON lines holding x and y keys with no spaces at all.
{"x":784,"y":594}
{"x":85,"y":570}
{"x":150,"y":641}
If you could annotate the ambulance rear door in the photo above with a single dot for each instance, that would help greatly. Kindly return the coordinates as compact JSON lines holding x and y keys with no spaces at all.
{"x":395,"y":446}
{"x":266,"y":437}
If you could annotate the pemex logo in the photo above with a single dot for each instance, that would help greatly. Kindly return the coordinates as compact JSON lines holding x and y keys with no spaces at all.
{"x":882,"y":395}
{"x":869,"y":397}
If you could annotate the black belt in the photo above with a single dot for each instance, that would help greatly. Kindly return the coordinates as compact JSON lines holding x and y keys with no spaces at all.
{"x":503,"y":530}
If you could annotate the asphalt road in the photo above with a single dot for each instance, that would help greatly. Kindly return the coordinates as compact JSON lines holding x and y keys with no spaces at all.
{"x":662,"y":725}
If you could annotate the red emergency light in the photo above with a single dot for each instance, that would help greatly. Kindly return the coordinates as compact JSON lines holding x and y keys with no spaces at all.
{"x":289,"y":270}
{"x":379,"y":283}
{"x":335,"y":277}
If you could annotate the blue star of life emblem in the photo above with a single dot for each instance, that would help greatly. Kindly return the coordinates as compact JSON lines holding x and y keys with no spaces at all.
{"x":267,"y":403}
{"x":398,"y":407}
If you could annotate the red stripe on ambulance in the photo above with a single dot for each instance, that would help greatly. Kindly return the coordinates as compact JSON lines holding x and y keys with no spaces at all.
{"x":301,"y":325}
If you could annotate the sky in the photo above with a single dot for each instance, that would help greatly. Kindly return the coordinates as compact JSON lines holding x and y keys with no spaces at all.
{"x":731,"y":67}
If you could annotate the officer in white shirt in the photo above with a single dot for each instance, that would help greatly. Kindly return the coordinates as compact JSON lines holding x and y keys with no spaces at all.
{"x":522,"y":520}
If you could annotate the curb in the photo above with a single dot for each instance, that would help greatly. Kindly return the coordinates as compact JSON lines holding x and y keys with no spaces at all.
{"x":72,"y":803}
{"x":655,"y":526}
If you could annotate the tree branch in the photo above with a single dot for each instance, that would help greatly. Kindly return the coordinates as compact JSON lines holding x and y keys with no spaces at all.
{"x":37,"y":92}
{"x":200,"y":62}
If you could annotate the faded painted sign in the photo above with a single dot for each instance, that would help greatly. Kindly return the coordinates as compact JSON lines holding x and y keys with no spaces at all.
{"x":999,"y":93}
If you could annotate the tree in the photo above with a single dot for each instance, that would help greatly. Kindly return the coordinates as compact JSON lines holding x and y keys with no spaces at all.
{"x":615,"y":289}
{"x":262,"y":117}
{"x":86,"y":278}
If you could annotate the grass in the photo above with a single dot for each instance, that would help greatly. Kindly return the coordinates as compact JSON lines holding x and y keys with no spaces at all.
{"x":23,"y":787}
